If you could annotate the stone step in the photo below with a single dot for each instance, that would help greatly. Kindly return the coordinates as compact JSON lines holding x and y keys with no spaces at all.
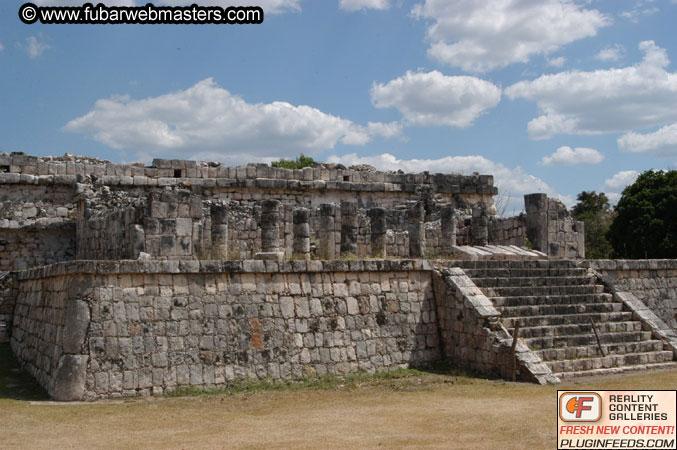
{"x":507,"y":272}
{"x":542,"y":290}
{"x":533,"y":281}
{"x":525,"y":300}
{"x":535,"y":321}
{"x":610,"y":361}
{"x":518,"y":264}
{"x":613,"y":370}
{"x":630,"y":326}
{"x":545,"y":310}
{"x":573,"y":340}
{"x":588,"y":351}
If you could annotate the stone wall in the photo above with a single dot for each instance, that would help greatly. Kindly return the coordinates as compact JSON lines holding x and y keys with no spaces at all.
{"x":653,"y":281}
{"x":508,"y":231}
{"x":36,"y":246}
{"x":7,"y":300}
{"x":30,"y":169}
{"x":36,"y":225}
{"x":551,"y":230}
{"x":99,"y":329}
{"x":51,"y":317}
{"x":149,"y":327}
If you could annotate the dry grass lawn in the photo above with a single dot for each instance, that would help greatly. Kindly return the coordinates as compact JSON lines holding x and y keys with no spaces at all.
{"x":419,"y":411}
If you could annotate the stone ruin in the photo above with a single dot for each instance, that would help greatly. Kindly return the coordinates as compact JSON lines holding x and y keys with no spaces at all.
{"x":123,"y":280}
{"x":60,"y":209}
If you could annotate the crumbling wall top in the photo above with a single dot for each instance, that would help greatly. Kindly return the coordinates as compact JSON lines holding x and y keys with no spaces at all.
{"x":71,"y":169}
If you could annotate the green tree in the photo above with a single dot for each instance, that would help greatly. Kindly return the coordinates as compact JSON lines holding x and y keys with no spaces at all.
{"x":645,"y":225}
{"x":595,"y":211}
{"x":300,"y":162}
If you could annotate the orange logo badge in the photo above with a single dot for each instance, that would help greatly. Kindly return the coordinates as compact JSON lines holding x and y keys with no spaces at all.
{"x":580,"y":407}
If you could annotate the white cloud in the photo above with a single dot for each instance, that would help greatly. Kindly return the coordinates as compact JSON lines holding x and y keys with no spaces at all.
{"x":33,"y":46}
{"x":556,"y":62}
{"x":611,"y":53}
{"x":269,"y":6}
{"x":513,"y":181}
{"x":603,"y":101}
{"x":568,"y":157}
{"x":618,"y":182}
{"x":355,"y":5}
{"x":208,"y":118}
{"x":482,"y":35}
{"x":662,"y":142}
{"x":434,"y":99}
{"x":2,"y":47}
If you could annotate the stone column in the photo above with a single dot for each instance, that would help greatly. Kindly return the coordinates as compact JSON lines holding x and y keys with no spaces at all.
{"x":219,"y":215}
{"x":270,"y":226}
{"x":377,"y":219}
{"x":536,"y":206}
{"x":326,"y":247}
{"x":479,"y":225}
{"x":301,"y":245}
{"x":448,"y":229}
{"x":348,"y":228}
{"x":415,"y":229}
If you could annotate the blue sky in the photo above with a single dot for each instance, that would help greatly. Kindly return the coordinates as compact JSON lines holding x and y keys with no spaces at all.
{"x":548,"y":95}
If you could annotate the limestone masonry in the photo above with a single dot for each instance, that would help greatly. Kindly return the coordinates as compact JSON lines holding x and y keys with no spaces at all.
{"x":124,"y":280}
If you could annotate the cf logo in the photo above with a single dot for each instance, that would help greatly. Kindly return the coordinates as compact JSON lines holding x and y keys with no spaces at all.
{"x":580,"y":407}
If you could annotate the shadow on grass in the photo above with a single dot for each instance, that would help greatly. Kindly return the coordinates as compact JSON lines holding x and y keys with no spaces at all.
{"x":16,"y":384}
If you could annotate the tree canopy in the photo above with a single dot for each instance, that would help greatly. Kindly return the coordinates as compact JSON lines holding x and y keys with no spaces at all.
{"x":595,"y":211}
{"x":645,"y":225}
{"x":591,"y":202}
{"x":300,"y":162}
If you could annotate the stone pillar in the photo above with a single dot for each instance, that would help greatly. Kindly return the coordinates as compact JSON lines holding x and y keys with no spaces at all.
{"x":348,"y":228}
{"x":448,"y":229}
{"x":536,"y":206}
{"x":415,"y":229}
{"x":326,"y":247}
{"x":377,"y":219}
{"x":270,"y":226}
{"x":301,"y":245}
{"x":219,"y":215}
{"x":479,"y":225}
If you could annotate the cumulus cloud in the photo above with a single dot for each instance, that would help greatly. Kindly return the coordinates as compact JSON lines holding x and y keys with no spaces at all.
{"x":515,"y":182}
{"x":618,"y":182}
{"x":356,"y":5}
{"x":568,"y":156}
{"x":662,"y":142}
{"x":434,"y":99}
{"x":269,"y":6}
{"x":34,"y":46}
{"x":603,"y":101}
{"x":613,"y":53}
{"x":479,"y":36}
{"x":208,"y":118}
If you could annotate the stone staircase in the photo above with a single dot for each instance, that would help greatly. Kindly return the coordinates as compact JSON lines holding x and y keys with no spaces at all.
{"x":556,"y":304}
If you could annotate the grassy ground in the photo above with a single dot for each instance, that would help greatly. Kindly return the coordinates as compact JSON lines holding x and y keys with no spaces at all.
{"x":408,"y":409}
